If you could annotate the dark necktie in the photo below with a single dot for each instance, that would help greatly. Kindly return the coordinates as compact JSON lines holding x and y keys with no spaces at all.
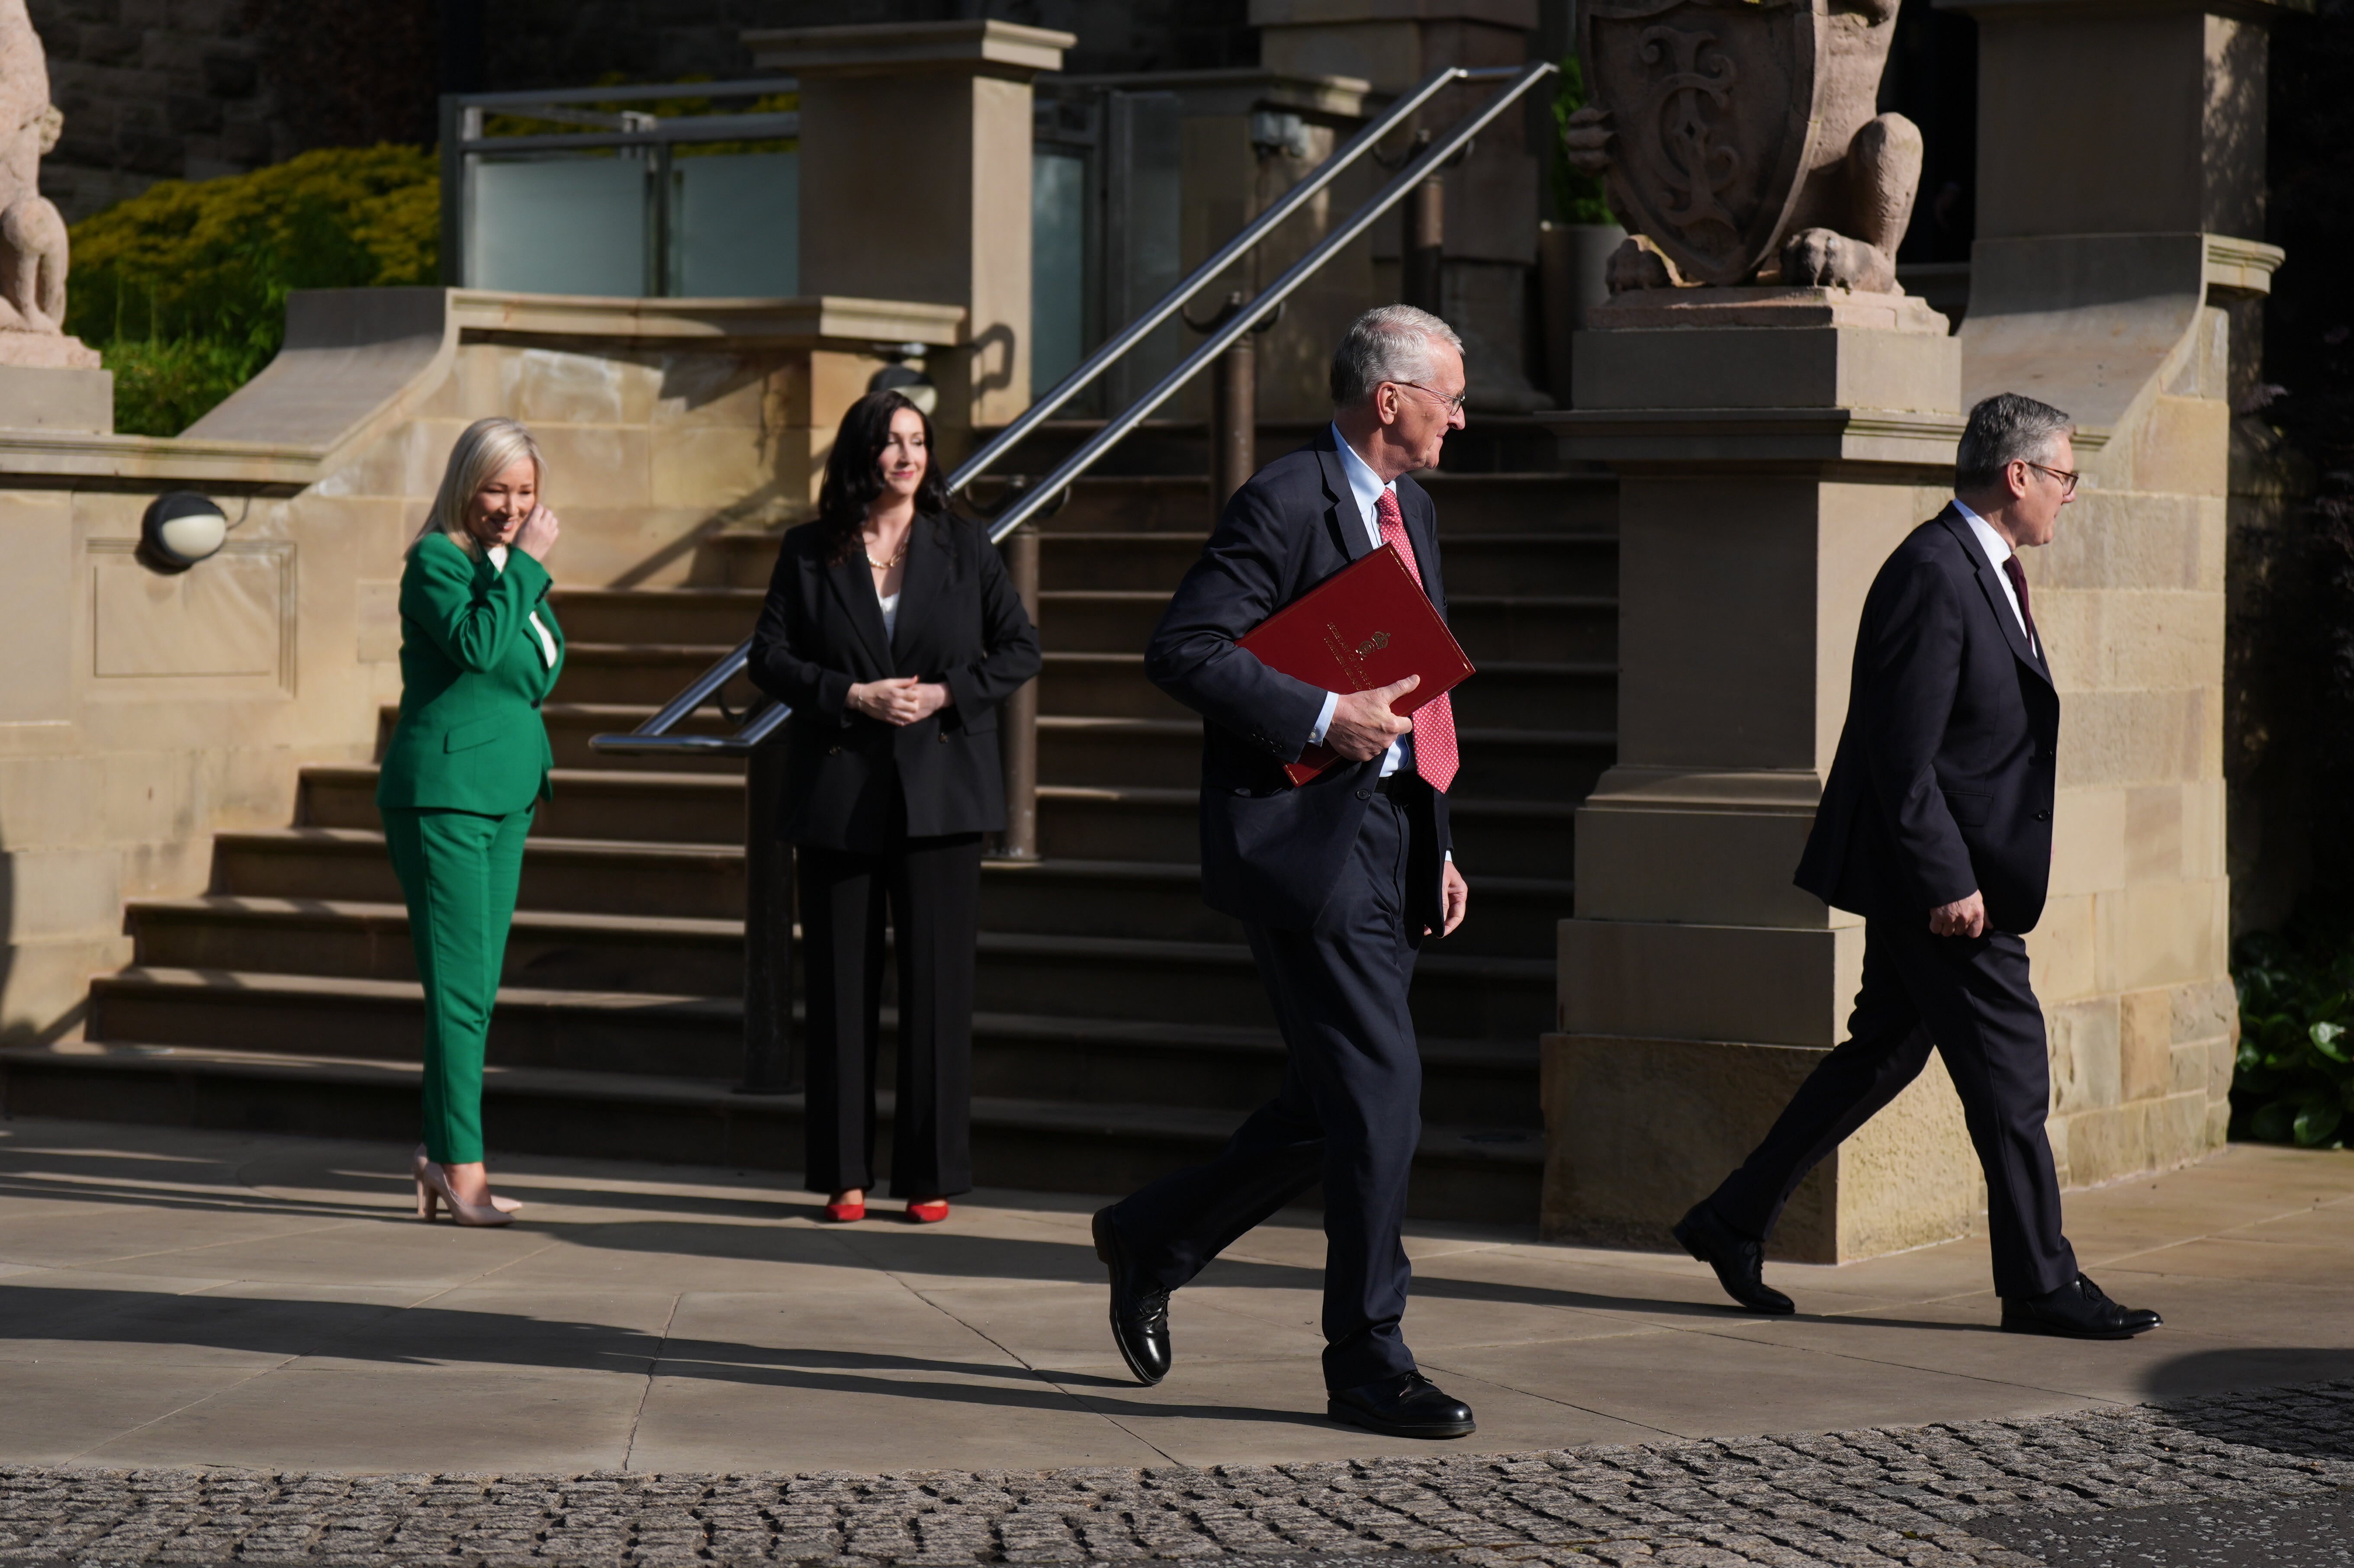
{"x":2018,"y":576}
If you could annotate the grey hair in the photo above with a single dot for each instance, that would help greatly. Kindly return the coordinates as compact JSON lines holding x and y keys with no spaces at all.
{"x":1388,"y":343}
{"x":485,"y":449}
{"x":2006,"y":429}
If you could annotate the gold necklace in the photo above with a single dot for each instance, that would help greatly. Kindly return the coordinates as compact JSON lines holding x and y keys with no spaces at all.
{"x":895,"y":560}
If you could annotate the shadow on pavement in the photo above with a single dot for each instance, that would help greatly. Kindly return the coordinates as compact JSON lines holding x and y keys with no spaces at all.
{"x":436,"y":1336}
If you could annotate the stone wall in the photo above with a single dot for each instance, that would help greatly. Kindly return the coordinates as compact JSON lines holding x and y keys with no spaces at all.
{"x":144,"y":713}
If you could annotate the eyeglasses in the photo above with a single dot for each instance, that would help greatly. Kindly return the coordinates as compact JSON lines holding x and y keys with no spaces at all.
{"x":1454,"y":405}
{"x":2067,"y":480}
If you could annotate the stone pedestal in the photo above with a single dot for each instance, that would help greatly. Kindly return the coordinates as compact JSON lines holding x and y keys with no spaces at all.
{"x":915,"y":185}
{"x":41,"y":398}
{"x":1773,"y":446}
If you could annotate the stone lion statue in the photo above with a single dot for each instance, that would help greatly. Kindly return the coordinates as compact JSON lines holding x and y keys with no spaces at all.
{"x":32,"y":231}
{"x":1858,"y":179}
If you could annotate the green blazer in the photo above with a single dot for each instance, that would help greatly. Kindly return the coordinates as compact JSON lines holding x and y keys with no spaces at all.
{"x":472,"y":675}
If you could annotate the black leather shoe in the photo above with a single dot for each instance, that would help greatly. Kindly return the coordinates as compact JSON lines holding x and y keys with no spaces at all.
{"x":1140,"y":1308}
{"x":1406,"y":1405}
{"x":1739,"y":1262}
{"x":2077,"y":1310}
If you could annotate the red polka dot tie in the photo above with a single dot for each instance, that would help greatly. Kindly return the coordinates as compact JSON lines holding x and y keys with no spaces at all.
{"x":1434,"y":722}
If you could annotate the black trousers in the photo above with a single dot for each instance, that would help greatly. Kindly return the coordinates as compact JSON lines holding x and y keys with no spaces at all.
{"x":1970,"y":999}
{"x":932,"y":886}
{"x":1348,"y":1114}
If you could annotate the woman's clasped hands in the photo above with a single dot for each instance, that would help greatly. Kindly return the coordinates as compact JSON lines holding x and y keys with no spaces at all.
{"x":907,"y":700}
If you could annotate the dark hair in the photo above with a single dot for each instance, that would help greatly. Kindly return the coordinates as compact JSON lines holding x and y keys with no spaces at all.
{"x":2003,"y":429}
{"x":854,"y":476}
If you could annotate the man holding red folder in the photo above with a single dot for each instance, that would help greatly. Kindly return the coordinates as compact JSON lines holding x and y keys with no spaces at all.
{"x":1336,"y":881}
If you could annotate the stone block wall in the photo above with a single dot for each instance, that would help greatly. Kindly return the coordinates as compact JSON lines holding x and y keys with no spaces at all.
{"x":2131,"y":957}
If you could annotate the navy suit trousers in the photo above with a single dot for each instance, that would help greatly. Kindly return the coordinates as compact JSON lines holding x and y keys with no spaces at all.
{"x":1969,"y":998}
{"x":1348,"y":1114}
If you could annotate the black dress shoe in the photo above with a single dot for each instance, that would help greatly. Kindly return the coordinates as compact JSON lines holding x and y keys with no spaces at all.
{"x":1406,"y":1405}
{"x":2077,"y":1310}
{"x":1140,"y":1308}
{"x":1739,"y":1262}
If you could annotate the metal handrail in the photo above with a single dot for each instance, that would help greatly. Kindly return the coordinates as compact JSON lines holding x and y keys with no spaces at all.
{"x":653,"y":735}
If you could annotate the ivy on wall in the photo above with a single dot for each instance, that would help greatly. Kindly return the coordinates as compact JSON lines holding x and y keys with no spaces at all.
{"x":183,"y":288}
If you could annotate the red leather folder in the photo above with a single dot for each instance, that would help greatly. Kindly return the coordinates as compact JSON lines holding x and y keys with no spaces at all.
{"x":1366,"y":625}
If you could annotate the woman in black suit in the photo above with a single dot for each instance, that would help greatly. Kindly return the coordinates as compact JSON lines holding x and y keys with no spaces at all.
{"x":894,"y":633}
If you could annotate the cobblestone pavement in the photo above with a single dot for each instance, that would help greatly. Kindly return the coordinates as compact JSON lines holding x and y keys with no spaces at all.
{"x":1925,"y":1496}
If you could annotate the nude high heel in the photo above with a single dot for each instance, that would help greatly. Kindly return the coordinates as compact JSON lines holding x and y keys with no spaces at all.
{"x":433,"y":1187}
{"x":426,"y":1198}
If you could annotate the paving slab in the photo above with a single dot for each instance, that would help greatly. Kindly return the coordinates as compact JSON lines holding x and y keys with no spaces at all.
{"x":272,"y":1303}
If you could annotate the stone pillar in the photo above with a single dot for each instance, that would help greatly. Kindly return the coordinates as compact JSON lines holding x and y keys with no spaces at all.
{"x":1491,"y":195}
{"x":1772,"y":446}
{"x":915,"y":185}
{"x":2118,"y":298}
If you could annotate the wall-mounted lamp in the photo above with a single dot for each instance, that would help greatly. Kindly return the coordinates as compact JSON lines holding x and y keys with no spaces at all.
{"x":905,"y":379}
{"x":179,"y":529}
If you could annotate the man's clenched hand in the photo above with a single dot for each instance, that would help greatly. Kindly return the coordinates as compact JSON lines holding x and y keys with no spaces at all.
{"x":1363,"y":726}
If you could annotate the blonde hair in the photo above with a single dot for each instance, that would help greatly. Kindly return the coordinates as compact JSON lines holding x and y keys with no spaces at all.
{"x":486,"y":448}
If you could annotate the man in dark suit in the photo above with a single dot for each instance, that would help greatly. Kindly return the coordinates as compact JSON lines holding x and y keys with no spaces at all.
{"x":1935,"y":826}
{"x":1336,"y":881}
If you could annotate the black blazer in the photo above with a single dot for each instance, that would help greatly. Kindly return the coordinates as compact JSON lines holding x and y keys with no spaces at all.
{"x":1271,"y":851}
{"x":1944,"y":778}
{"x":821,"y":632}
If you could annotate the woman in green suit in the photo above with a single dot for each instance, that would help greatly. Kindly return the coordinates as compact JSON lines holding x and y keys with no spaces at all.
{"x":480,"y":650}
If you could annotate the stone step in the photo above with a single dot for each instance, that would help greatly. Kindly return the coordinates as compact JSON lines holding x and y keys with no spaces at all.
{"x":695,"y":614}
{"x":1477,"y":562}
{"x":1490,"y":444}
{"x":1461,"y":1170}
{"x":1164,"y":753}
{"x":589,"y":803}
{"x":1153,"y":503}
{"x":648,"y":672}
{"x":589,"y":876}
{"x":1519,"y":694}
{"x":569,"y":726}
{"x":1489,"y":626}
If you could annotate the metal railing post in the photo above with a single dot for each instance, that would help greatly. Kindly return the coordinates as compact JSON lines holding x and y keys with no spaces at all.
{"x":1017,"y":729}
{"x":771,"y":1066}
{"x":1234,"y":420}
{"x":1426,"y":246}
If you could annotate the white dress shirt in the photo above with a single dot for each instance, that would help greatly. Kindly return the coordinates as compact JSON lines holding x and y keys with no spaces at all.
{"x":1997,"y":550}
{"x":890,"y":603}
{"x":498,"y":554}
{"x":1366,"y":486}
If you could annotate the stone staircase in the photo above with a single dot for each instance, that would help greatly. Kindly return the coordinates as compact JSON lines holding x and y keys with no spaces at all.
{"x":1122,"y":1028}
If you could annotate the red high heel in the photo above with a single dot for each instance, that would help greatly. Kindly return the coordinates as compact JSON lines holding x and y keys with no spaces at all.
{"x":930,"y":1211}
{"x":845,"y":1214}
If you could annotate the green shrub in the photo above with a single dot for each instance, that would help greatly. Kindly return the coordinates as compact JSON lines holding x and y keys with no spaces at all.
{"x":2295,"y":1078}
{"x":183,"y":288}
{"x":1576,"y":197}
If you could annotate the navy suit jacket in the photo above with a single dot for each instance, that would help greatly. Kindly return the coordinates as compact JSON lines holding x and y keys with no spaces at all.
{"x":1944,"y":778}
{"x":1272,"y":852}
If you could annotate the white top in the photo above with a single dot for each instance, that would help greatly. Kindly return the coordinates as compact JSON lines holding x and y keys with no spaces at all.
{"x":498,"y":554}
{"x":1366,"y":486}
{"x":890,"y":603}
{"x":1997,"y":550}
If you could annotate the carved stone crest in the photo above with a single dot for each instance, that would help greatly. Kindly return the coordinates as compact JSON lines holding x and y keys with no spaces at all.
{"x":1712,"y":100}
{"x":1740,"y":141}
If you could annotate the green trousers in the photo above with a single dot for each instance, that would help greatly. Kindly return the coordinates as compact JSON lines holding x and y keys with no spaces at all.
{"x":460,"y":870}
